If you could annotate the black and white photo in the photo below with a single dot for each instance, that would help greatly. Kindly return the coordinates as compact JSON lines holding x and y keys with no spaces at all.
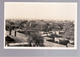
{"x":40,"y":25}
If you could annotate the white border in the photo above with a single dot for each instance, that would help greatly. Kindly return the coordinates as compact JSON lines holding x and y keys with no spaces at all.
{"x":63,"y":48}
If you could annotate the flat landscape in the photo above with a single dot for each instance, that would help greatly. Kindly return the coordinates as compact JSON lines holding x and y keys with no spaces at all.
{"x":39,"y":33}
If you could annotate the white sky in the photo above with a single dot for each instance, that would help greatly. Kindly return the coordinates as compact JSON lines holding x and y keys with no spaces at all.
{"x":41,"y":10}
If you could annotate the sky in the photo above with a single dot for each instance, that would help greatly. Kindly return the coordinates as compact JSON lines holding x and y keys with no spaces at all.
{"x":40,"y":10}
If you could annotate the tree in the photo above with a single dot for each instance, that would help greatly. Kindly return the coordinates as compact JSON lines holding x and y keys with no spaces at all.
{"x":69,"y":29}
{"x":35,"y":38}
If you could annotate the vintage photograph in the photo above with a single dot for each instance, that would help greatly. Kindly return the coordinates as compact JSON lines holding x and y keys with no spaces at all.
{"x":45,"y":25}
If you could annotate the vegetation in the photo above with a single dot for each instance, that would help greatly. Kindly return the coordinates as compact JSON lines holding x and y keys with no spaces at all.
{"x":41,"y":25}
{"x":35,"y":38}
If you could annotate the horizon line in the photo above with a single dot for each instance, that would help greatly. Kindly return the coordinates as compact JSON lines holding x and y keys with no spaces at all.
{"x":36,"y":19}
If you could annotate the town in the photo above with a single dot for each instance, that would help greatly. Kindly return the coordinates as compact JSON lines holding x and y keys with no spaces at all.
{"x":39,"y":33}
